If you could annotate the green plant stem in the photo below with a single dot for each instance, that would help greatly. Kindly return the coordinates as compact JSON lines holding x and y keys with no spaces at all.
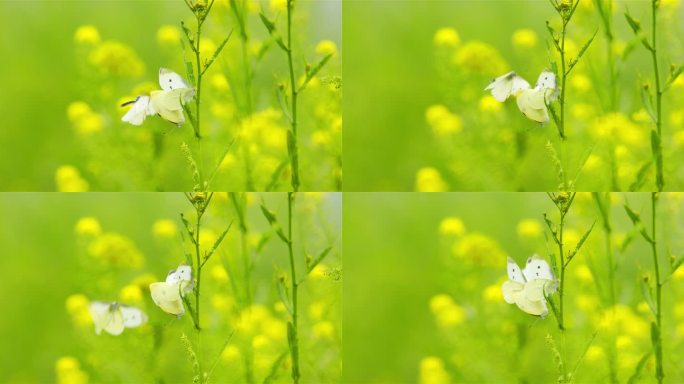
{"x":658,"y":148}
{"x":198,"y":267}
{"x":293,"y":141}
{"x":561,"y":126}
{"x":294,"y":347}
{"x":659,"y":342}
{"x":198,"y":95}
{"x":561,"y":323}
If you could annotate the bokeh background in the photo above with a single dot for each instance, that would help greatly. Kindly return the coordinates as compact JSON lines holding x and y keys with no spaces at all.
{"x":423,"y":298}
{"x":61,"y":250}
{"x":417,"y":108}
{"x":70,"y":64}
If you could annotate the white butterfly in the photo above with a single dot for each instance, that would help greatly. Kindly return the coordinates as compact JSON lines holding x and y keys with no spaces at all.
{"x":167,"y":294}
{"x":114,"y":317}
{"x":528,"y":287}
{"x":168,"y":102}
{"x":531,"y":101}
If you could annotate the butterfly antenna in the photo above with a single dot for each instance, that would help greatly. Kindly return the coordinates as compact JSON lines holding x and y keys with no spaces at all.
{"x":130,"y":102}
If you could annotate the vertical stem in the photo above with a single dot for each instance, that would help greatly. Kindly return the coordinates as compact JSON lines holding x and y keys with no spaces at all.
{"x":660,"y":180}
{"x":198,"y":133}
{"x":659,"y":341}
{"x":561,"y":127}
{"x":292,"y":141}
{"x":294,"y":347}
{"x":561,"y":323}
{"x":199,"y":268}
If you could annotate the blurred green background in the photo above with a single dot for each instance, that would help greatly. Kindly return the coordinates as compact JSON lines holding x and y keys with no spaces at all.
{"x":62,"y":121}
{"x":423,"y":289}
{"x":56,"y":261}
{"x":399,"y":70}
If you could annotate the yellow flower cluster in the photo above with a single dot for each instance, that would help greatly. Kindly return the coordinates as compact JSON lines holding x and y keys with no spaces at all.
{"x":442,"y":121}
{"x":77,"y":307}
{"x":131,"y":294}
{"x":429,"y":179}
{"x":265,"y":127}
{"x":529,"y":229}
{"x":481,"y":58}
{"x":88,"y":226}
{"x":267,"y":333}
{"x":87,"y":35}
{"x":68,"y":371}
{"x":446,"y":312}
{"x":525,"y":38}
{"x":84,"y":119}
{"x":115,"y":250}
{"x":432,"y":371}
{"x":164,"y":229}
{"x":477,"y":249}
{"x":452,"y":226}
{"x":489,"y":104}
{"x":168,"y":35}
{"x":326,"y":47}
{"x":116,"y":59}
{"x":68,"y":179}
{"x":447,"y":37}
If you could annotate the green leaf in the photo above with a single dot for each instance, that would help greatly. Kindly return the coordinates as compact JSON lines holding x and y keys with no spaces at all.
{"x":639,"y":367}
{"x":317,"y":260}
{"x":271,"y":218}
{"x":655,"y":340}
{"x":648,"y":295}
{"x":579,"y":244}
{"x":636,"y":219}
{"x":216,"y":243}
{"x":656,"y":147}
{"x":554,"y":114}
{"x":675,"y":71}
{"x":311,"y":72}
{"x":273,"y":374}
{"x":275,"y":176}
{"x":270,"y":26}
{"x":188,"y":35}
{"x":551,"y":226}
{"x":217,"y":52}
{"x":627,"y":241}
{"x":554,"y":36}
{"x":581,"y":52}
{"x":633,"y":23}
{"x":675,"y":263}
{"x":641,"y":177}
{"x":647,"y":101}
{"x":285,"y":295}
{"x":188,"y":228}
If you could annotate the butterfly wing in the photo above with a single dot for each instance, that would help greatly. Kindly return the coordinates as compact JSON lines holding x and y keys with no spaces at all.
{"x":533,"y":307}
{"x":98,"y":312}
{"x":115,"y":320}
{"x":504,"y":86}
{"x":168,"y":105}
{"x":531,"y":104}
{"x":139,"y":111}
{"x":537,"y":268}
{"x":514,"y":272}
{"x":167,"y":297}
{"x":133,"y":317}
{"x":512,"y":291}
{"x":170,"y":80}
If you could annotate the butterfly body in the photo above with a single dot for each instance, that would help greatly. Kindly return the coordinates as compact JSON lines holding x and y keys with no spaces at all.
{"x":527,"y":288}
{"x":167,"y":102}
{"x":168,"y":294}
{"x":531,"y":101}
{"x":113,"y":317}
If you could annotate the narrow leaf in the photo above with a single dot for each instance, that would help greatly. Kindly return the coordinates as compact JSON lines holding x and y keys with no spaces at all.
{"x":657,"y":149}
{"x":285,"y":295}
{"x":579,"y":244}
{"x":633,"y":23}
{"x":648,"y":295}
{"x":641,"y":177}
{"x":273,"y":374}
{"x":318,"y":259}
{"x":647,"y":101}
{"x":217,"y":243}
{"x":639,"y":367}
{"x":581,"y":52}
{"x":217,"y":52}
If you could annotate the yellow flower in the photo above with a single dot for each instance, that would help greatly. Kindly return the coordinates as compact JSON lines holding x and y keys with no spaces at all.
{"x":432,"y":371}
{"x":669,"y":3}
{"x":452,"y":226}
{"x":219,"y":82}
{"x":316,"y":310}
{"x":677,"y":118}
{"x":219,"y":274}
{"x":207,"y":49}
{"x":77,"y":110}
{"x":326,"y":47}
{"x":231,"y":354}
{"x":77,"y":307}
{"x":593,"y":162}
{"x":222,"y":303}
{"x":164,"y":228}
{"x":87,"y":35}
{"x":84,"y":119}
{"x":88,"y":226}
{"x":493,"y":293}
{"x":447,"y":313}
{"x":324,"y":330}
{"x":321,"y":138}
{"x":489,"y":104}
{"x":68,"y":179}
{"x":641,"y":116}
{"x":678,"y":139}
{"x":617,"y":125}
{"x":115,"y":58}
{"x":524,"y":38}
{"x":583,"y":273}
{"x":442,"y":121}
{"x":580,"y":82}
{"x":619,"y":47}
{"x":595,"y":354}
{"x":68,"y":371}
{"x":115,"y":250}
{"x":529,"y":228}
{"x":478,"y":57}
{"x":168,"y":35}
{"x":447,"y":37}
{"x":131,"y":294}
{"x":478,"y":249}
{"x":429,"y":180}
{"x":277,"y":5}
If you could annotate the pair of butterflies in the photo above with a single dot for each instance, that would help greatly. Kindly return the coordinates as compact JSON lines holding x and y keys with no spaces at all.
{"x":167,"y":294}
{"x":531,"y":101}
{"x":167,"y":102}
{"x":113,"y":317}
{"x":528,"y":287}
